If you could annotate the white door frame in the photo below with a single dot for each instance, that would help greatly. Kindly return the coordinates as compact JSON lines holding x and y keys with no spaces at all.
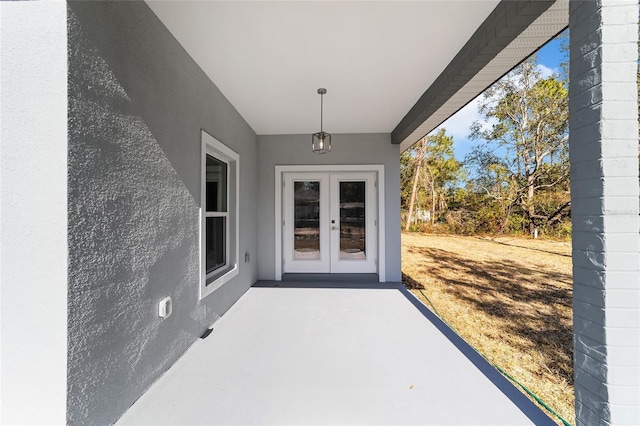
{"x":375,"y":168}
{"x":323,"y":263}
{"x":369,"y":263}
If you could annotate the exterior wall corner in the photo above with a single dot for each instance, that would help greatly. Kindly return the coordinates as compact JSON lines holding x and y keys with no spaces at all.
{"x":603,"y":142}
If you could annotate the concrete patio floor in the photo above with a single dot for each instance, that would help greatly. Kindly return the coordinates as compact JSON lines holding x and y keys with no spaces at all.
{"x":335,"y":353}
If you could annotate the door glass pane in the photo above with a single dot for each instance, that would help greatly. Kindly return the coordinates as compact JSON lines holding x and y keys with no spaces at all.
{"x":215,"y":243}
{"x":216,"y":185}
{"x":352,"y":220}
{"x":306,"y":196}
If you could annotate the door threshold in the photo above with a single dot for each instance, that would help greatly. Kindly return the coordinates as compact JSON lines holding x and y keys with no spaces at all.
{"x":344,"y":278}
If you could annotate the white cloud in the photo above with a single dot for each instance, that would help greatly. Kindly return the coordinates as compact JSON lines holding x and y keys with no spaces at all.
{"x":546,"y":71}
{"x":459,"y":124}
{"x":459,"y":127}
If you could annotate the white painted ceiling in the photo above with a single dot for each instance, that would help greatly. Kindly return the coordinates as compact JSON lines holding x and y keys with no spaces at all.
{"x":375,"y":58}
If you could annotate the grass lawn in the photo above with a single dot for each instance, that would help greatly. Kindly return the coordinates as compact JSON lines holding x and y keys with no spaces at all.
{"x":508,"y":297}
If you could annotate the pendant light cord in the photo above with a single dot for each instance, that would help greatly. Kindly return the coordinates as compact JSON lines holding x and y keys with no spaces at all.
{"x":321,"y":109}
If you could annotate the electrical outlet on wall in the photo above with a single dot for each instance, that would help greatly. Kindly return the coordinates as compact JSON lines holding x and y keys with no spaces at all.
{"x":165,"y":307}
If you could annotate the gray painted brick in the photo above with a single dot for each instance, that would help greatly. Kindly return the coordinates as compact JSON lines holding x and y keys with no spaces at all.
{"x":589,"y":241}
{"x":588,"y":77}
{"x":615,"y":280}
{"x":592,"y":401}
{"x":588,"y":187}
{"x":588,"y":277}
{"x":595,"y":385}
{"x":591,"y":205}
{"x":584,"y":327}
{"x":579,"y":117}
{"x":581,"y":36}
{"x":617,"y":167}
{"x":582,"y":147}
{"x":586,"y":416}
{"x":590,"y":59}
{"x":595,"y":314}
{"x":591,"y":336}
{"x":586,"y":169}
{"x":590,"y":356}
{"x":596,"y":187}
{"x":591,"y":295}
{"x":590,"y":97}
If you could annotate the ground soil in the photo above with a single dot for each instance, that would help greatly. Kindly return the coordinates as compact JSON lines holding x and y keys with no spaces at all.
{"x":510,"y":298}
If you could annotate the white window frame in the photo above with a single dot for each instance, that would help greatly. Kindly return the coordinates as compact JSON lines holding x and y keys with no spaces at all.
{"x":215,"y":148}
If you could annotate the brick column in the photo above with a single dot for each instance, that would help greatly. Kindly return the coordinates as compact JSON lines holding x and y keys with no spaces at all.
{"x":604,"y":192}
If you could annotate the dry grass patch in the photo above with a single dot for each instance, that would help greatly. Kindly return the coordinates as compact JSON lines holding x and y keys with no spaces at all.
{"x":510,"y":298}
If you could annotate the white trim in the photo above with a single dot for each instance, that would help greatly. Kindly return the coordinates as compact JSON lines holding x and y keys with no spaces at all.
{"x":214,"y":147}
{"x":290,"y":264}
{"x":278,"y":224}
{"x":369,"y":264}
{"x":380,"y":177}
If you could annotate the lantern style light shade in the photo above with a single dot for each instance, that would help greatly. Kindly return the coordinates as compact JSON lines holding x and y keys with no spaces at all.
{"x":321,"y":141}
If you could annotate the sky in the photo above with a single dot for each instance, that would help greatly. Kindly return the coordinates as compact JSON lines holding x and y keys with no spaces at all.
{"x":458,"y":126}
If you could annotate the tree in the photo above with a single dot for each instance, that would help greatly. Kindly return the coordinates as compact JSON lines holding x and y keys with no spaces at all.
{"x":429,"y":165}
{"x":527,"y":141}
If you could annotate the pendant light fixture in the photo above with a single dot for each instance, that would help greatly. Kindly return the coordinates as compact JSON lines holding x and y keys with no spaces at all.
{"x":321,"y":141}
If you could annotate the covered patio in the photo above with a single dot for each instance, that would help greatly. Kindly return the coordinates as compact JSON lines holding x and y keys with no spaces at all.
{"x":111,"y":114}
{"x":332,"y":352}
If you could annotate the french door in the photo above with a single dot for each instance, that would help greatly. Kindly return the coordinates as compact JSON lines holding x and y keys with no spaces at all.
{"x":329,"y":223}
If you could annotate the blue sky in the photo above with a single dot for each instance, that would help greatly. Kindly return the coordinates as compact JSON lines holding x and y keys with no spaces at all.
{"x":458,"y":126}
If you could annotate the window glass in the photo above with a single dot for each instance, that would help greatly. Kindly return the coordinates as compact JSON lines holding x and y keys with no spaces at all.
{"x":306,"y":197}
{"x":216,"y":230}
{"x":352,"y":220}
{"x":216,"y":185}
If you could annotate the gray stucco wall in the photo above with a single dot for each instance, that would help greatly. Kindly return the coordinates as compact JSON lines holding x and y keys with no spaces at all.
{"x":346,"y":149}
{"x":137,"y":104}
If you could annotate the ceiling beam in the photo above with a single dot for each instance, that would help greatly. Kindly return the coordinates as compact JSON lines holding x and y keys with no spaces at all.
{"x":504,"y":25}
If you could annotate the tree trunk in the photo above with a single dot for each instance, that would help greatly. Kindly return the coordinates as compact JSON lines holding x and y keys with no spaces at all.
{"x":531,"y":211}
{"x":413,"y":197}
{"x":433,"y":201}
